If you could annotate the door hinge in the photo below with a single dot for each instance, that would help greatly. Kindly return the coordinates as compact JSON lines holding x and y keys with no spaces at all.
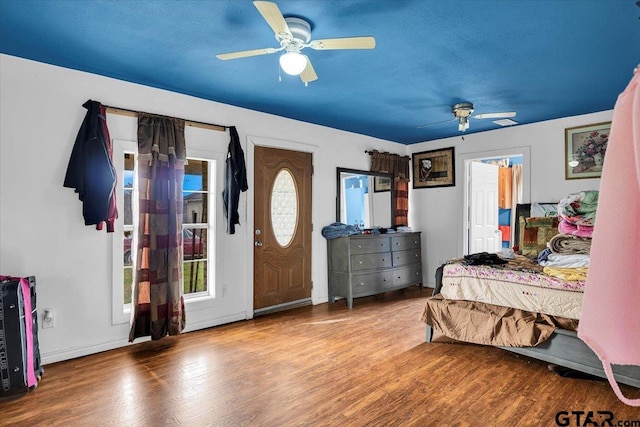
{"x":312,"y":170}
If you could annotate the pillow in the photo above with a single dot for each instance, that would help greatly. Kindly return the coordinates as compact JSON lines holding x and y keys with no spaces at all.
{"x":544,"y":210}
{"x":535,"y":232}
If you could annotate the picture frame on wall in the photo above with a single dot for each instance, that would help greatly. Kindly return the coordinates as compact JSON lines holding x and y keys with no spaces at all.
{"x":435,"y":168}
{"x":381,"y":184}
{"x":585,"y":148}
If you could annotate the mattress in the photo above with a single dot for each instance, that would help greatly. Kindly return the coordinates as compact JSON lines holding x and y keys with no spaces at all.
{"x":520,"y":284}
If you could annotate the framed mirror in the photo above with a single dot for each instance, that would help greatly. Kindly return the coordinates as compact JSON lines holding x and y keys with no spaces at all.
{"x":364,"y":198}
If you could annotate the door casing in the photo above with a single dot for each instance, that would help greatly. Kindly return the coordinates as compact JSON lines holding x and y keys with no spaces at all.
{"x":462,"y":164}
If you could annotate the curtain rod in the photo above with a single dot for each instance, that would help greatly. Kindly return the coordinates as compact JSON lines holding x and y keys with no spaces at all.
{"x":386,"y":152}
{"x":132,"y":113}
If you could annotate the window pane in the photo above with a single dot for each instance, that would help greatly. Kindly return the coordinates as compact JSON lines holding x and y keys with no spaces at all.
{"x":196,"y":175}
{"x":128,"y":283}
{"x":194,"y":209}
{"x":284,"y":207}
{"x":128,"y":265}
{"x":195,"y":192}
{"x":128,"y":253}
{"x":127,"y":183}
{"x":128,"y":209}
{"x":194,"y":243}
{"x":195,"y":276}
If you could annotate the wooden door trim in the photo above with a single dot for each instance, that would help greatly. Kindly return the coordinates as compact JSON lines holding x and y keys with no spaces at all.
{"x":259,"y":141}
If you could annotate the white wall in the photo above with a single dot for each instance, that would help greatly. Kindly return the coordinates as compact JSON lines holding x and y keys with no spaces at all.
{"x":438,"y":211}
{"x":42,"y":231}
{"x":41,"y":225}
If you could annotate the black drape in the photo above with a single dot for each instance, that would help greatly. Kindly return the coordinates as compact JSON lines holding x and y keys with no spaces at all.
{"x":235,"y":180}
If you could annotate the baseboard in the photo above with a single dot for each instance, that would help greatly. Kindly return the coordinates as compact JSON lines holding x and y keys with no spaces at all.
{"x":67,"y":354}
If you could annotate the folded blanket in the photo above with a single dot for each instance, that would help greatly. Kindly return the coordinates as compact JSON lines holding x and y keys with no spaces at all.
{"x":565,"y":227}
{"x":568,"y":244}
{"x":579,"y":208}
{"x":565,"y":261}
{"x":337,"y":229}
{"x":568,"y":274}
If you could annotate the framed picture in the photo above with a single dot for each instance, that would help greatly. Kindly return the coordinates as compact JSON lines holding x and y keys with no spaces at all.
{"x":584,"y":148}
{"x":434,"y":168}
{"x":381,"y":183}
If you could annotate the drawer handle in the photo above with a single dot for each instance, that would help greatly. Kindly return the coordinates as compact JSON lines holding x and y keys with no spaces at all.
{"x":359,"y":246}
{"x":415,"y":255}
{"x":383,"y":260}
{"x":360,"y":262}
{"x":397,"y":243}
{"x":361,"y":284}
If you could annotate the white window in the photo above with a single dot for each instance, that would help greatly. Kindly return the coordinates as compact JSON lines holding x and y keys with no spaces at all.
{"x":198,"y":233}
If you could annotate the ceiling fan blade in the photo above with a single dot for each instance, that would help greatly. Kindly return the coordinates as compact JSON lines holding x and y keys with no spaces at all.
{"x":504,"y":115}
{"x":435,"y":123}
{"x":309,"y":74}
{"x":245,"y":53}
{"x":344,"y":43}
{"x":271,"y":13}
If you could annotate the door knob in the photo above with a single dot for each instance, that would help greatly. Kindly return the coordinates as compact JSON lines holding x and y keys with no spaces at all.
{"x":257,"y":243}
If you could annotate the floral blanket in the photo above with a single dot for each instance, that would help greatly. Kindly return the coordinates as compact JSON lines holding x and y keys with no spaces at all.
{"x":579,"y":208}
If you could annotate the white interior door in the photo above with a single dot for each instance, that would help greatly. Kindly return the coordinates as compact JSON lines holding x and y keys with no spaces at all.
{"x":484,"y":234}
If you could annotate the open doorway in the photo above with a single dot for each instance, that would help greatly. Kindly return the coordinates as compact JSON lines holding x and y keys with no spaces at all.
{"x":495,"y":183}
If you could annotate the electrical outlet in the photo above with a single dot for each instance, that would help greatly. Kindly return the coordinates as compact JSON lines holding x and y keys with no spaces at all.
{"x":48,"y":319}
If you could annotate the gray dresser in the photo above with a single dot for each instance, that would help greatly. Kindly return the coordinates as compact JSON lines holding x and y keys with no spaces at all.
{"x":361,"y":265}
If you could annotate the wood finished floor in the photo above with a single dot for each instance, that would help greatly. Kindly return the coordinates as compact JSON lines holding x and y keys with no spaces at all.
{"x":312,"y":366}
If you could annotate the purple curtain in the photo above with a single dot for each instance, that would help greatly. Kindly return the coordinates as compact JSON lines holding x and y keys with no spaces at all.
{"x":158,"y":303}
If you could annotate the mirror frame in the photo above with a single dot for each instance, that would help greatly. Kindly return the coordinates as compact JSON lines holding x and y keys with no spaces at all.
{"x":361,"y":172}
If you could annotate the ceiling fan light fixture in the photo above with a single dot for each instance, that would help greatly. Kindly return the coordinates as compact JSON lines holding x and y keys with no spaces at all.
{"x":293,"y":63}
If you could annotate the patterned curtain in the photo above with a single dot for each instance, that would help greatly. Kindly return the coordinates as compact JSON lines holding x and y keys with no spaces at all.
{"x":158,"y":303}
{"x":399,"y":167}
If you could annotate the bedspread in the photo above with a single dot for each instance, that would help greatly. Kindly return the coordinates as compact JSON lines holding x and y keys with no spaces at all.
{"x":489,"y":324}
{"x":519,"y":284}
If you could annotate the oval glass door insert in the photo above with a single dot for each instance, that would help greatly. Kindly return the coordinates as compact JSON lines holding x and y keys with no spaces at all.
{"x":284,"y":207}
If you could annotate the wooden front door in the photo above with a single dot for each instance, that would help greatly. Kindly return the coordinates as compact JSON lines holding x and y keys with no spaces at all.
{"x":282,"y":228}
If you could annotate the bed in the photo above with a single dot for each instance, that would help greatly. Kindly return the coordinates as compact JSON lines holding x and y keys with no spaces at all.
{"x":538,"y":317}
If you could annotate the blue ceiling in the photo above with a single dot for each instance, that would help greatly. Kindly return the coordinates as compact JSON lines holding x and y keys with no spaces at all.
{"x":544,"y":59}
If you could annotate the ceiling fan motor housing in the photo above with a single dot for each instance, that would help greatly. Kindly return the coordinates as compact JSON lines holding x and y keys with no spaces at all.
{"x":463,"y":109}
{"x":300,"y":30}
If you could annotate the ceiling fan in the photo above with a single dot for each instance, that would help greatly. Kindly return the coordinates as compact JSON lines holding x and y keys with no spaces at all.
{"x":294,"y":34}
{"x":464,"y":110}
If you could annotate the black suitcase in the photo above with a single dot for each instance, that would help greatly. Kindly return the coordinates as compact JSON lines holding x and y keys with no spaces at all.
{"x":20,"y":367}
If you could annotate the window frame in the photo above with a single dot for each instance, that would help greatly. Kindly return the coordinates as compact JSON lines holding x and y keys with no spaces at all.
{"x":121,"y":312}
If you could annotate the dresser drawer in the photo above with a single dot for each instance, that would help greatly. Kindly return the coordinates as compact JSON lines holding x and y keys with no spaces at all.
{"x":402,"y":243}
{"x":370,"y":245}
{"x":369,"y":261}
{"x":406,"y":257}
{"x":407,"y":276}
{"x":370,"y":283}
